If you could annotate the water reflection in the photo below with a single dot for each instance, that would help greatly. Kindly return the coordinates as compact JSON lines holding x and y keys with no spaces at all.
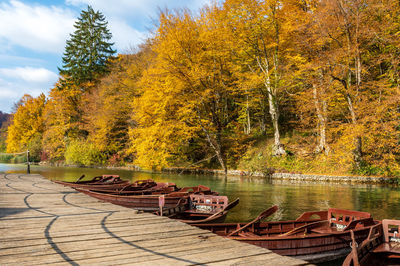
{"x":257,"y":194}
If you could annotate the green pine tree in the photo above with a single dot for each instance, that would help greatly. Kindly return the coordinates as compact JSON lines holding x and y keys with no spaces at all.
{"x":88,"y":49}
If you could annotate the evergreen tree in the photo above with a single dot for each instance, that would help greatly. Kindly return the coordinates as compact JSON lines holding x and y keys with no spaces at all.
{"x":88,"y":49}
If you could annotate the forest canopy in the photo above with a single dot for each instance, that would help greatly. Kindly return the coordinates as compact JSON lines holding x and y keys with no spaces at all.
{"x":272,"y":85}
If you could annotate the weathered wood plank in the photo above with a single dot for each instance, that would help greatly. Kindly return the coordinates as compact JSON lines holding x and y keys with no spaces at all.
{"x":145,"y":228}
{"x":83,"y":241}
{"x":92,"y":248}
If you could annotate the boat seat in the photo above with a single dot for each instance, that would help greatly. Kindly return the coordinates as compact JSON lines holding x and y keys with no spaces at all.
{"x":207,"y":203}
{"x":248,"y":234}
{"x":391,"y":247}
{"x":341,"y":227}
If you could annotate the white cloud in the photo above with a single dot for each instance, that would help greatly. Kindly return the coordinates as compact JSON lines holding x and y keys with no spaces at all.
{"x":14,"y":84}
{"x":125,"y":36}
{"x":141,"y":8}
{"x":29,"y":74}
{"x":8,"y":93}
{"x":36,"y":27}
{"x":130,"y":20}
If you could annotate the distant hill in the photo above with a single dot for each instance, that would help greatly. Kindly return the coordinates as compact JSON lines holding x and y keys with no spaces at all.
{"x":3,"y":118}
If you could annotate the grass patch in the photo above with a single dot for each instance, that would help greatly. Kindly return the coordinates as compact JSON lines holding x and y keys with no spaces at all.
{"x":9,"y":158}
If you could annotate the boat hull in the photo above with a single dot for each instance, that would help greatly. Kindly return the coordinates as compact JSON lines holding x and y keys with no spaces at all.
{"x":382,"y":247}
{"x":142,"y":202}
{"x":312,"y":247}
{"x":113,"y":186}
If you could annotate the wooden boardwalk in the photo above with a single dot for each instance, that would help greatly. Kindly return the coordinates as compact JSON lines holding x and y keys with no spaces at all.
{"x":45,"y":223}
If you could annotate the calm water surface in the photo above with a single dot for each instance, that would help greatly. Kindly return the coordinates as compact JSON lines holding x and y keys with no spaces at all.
{"x":256,"y":194}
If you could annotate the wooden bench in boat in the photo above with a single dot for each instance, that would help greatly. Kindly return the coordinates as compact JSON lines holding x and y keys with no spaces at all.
{"x":382,"y":246}
{"x":207,"y":203}
{"x":337,"y":221}
{"x":198,"y":205}
{"x":391,"y":229}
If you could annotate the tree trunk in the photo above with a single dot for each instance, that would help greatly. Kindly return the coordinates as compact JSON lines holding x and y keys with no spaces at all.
{"x":247,"y":125}
{"x":278,"y":149}
{"x":321,"y":114}
{"x":216,"y":146}
{"x":353,"y":42}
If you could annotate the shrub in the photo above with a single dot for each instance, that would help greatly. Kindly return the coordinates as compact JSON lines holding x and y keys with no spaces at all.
{"x":84,"y":153}
{"x":6,"y":158}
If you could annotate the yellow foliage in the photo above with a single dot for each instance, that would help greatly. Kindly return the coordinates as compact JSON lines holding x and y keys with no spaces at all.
{"x":61,"y":118}
{"x":27,"y":122}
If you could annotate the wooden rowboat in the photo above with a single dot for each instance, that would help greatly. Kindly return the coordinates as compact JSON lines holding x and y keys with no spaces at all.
{"x":100,"y":182}
{"x":148,"y":202}
{"x":382,"y":246}
{"x":314,"y":236}
{"x":201,"y":209}
{"x":139,"y":187}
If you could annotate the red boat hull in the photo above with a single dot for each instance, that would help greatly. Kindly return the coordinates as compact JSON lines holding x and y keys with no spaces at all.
{"x":97,"y":186}
{"x":314,"y":249}
{"x":141,"y":202}
{"x":316,"y":240}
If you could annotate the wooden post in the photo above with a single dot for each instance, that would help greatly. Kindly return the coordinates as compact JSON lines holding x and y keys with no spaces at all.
{"x":28,"y":170}
{"x":161,"y":204}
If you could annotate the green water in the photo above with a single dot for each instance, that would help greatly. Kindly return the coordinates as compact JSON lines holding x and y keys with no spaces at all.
{"x":257,"y":194}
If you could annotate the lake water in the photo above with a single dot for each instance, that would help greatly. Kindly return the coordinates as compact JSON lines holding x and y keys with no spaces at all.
{"x":256,"y":194}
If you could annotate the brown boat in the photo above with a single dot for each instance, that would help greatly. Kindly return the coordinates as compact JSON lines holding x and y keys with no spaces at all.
{"x":100,"y":182}
{"x":315,"y":236}
{"x":201,"y":209}
{"x":139,"y":187}
{"x":382,"y":246}
{"x":151,"y":201}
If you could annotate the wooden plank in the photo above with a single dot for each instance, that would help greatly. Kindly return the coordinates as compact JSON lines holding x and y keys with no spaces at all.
{"x":90,"y":230}
{"x":92,"y":251}
{"x":84,"y":220}
{"x":83,"y":241}
{"x":163,"y":253}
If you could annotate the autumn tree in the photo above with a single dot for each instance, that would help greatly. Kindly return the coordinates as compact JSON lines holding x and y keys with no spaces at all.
{"x":4,"y":123}
{"x":85,"y":60}
{"x":26,"y":128}
{"x":314,"y":88}
{"x":190,"y":88}
{"x":343,"y":27}
{"x":109,"y":107}
{"x":262,"y":36}
{"x":62,"y":121}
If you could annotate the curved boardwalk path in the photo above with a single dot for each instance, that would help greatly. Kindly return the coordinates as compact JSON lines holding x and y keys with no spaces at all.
{"x":45,"y":223}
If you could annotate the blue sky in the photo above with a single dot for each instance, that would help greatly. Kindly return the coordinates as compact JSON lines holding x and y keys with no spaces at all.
{"x":33,"y":36}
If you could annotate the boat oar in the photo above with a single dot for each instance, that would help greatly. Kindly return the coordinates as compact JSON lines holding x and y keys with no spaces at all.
{"x":220,"y":213}
{"x":228,"y":207}
{"x":80,"y":178}
{"x":231,"y":205}
{"x":261,"y":216}
{"x":306,"y":227}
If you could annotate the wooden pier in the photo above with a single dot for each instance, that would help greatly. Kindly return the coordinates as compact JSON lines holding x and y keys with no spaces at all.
{"x":45,"y":223}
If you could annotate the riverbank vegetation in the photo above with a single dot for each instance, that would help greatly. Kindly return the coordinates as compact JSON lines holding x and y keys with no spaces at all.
{"x":289,"y":85}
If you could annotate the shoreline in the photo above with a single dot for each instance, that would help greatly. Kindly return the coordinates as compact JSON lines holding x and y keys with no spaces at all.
{"x":244,"y":173}
{"x":289,"y":176}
